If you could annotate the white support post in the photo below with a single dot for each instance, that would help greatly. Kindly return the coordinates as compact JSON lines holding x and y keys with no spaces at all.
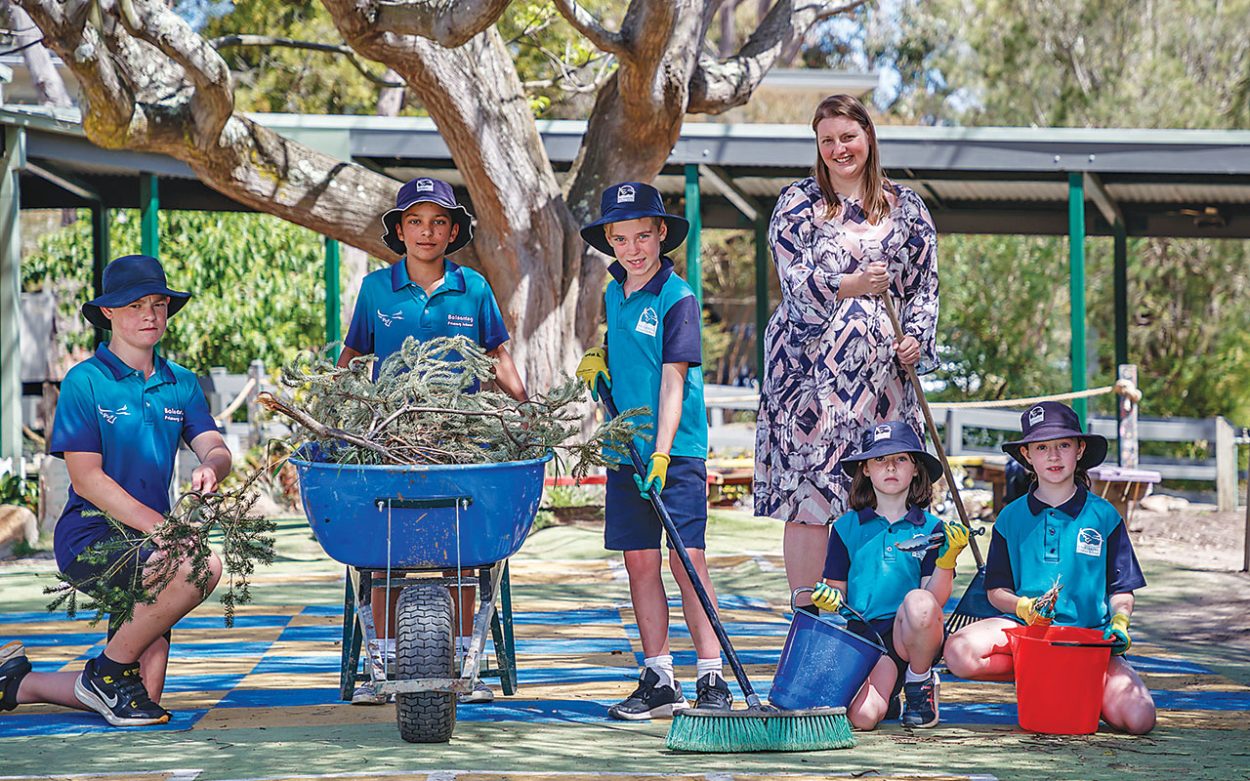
{"x":1128,"y":448}
{"x":1225,"y":466}
{"x":256,"y":371}
{"x":14,"y":157}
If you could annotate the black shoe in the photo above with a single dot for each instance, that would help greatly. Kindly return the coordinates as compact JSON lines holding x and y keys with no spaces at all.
{"x":921,"y":702}
{"x":713,"y":693}
{"x":895,"y":708}
{"x":650,"y":700}
{"x":13,"y":668}
{"x":122,"y":701}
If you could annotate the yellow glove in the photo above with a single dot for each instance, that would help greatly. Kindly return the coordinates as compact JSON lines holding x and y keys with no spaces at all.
{"x":594,"y":364}
{"x":826,"y":597}
{"x":657,"y":472}
{"x":1118,"y":631}
{"x":1027,"y":611}
{"x":954,"y":544}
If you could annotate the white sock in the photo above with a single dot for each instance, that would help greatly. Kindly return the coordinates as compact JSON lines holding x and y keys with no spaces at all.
{"x":912,"y":677}
{"x":705,"y":666}
{"x":663,"y":666}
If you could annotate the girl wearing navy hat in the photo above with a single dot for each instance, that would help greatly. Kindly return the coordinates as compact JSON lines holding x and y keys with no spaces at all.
{"x":119,"y":419}
{"x":899,"y":592}
{"x":1059,"y":531}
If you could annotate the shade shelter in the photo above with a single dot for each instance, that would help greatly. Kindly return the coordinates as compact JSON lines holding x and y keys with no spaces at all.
{"x":1079,"y":182}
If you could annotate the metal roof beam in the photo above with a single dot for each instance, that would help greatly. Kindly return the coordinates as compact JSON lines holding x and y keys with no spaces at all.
{"x":66,"y":182}
{"x":1102,"y":199}
{"x":723,"y":182}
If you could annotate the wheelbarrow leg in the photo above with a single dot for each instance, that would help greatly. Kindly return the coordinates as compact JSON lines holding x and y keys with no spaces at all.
{"x":350,"y":658}
{"x":501,"y":632}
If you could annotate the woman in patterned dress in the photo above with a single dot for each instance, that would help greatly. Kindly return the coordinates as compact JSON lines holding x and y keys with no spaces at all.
{"x":839,"y":239}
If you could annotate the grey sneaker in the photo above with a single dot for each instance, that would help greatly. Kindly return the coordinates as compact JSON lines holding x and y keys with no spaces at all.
{"x":481,"y":693}
{"x":713,"y":693}
{"x":920,"y":702}
{"x":366,"y":694}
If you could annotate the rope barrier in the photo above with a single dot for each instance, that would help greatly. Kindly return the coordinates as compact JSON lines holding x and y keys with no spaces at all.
{"x":224,"y":415}
{"x":1123,"y":388}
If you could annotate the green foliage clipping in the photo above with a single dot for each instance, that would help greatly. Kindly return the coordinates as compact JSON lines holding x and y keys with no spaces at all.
{"x":179,"y":545}
{"x":425,"y":408}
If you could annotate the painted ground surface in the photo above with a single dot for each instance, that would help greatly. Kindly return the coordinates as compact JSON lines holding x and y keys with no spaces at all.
{"x":260,"y":700}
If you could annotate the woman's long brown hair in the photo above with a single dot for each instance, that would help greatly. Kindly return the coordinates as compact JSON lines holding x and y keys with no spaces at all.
{"x":875,"y":204}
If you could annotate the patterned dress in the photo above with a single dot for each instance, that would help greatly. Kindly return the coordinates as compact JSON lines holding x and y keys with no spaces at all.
{"x":830,"y":371}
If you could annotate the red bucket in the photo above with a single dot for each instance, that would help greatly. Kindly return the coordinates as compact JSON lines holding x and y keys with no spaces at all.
{"x":1059,"y":687}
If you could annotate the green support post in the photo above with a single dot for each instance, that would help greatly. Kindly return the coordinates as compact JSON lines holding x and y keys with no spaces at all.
{"x":1121,"y":294}
{"x":763,"y":306}
{"x":99,"y":255}
{"x":333,"y":301}
{"x":1076,"y":286}
{"x":14,"y":158}
{"x":149,"y":215}
{"x":694,"y":264}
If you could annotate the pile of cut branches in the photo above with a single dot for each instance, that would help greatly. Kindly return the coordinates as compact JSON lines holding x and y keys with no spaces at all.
{"x":245,"y":540}
{"x":428,"y":406}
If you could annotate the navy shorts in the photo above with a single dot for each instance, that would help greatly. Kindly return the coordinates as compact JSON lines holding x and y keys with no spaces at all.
{"x":630,"y":522}
{"x":885,"y":628}
{"x":126,"y":567}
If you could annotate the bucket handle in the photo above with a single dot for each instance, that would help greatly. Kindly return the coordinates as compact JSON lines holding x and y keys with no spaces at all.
{"x":1073,"y":644}
{"x":846,"y":607}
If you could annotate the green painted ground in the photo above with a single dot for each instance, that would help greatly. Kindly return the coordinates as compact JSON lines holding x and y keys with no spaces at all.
{"x":1170,"y":752}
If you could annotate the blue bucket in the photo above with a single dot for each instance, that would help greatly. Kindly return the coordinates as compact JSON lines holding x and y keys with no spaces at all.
{"x":822,"y":665}
{"x":420,"y":516}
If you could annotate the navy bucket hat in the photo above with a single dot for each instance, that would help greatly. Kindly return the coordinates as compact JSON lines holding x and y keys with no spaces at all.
{"x":1052,"y":420}
{"x":632,"y":201}
{"x":427,"y":190}
{"x":886,"y":439}
{"x":128,"y":279}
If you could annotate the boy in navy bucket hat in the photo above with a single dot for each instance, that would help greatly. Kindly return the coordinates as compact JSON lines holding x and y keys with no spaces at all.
{"x":1059,"y":532}
{"x":882,"y":561}
{"x":119,"y":418}
{"x":424,"y":295}
{"x":652,"y":357}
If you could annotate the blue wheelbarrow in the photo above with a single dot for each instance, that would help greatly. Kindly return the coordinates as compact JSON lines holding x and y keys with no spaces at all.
{"x":404,"y":527}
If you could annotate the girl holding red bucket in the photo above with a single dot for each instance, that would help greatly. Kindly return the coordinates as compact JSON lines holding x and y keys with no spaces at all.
{"x":1060,"y":532}
{"x":881,"y":563}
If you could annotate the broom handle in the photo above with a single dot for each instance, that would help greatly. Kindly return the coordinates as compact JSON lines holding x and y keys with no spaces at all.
{"x":670,"y":528}
{"x":933,"y":434}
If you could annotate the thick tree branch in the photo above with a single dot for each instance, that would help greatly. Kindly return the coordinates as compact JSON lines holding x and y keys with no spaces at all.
{"x":268,"y":41}
{"x":719,"y":85}
{"x":447,"y":22}
{"x":585,"y":23}
{"x":43,"y":75}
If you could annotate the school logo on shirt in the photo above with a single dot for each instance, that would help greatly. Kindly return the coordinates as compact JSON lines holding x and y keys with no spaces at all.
{"x":386,"y":319}
{"x":1037,"y":415}
{"x":648,"y":322}
{"x":1089,"y":542}
{"x":111,"y":415}
{"x":174,"y":415}
{"x":424,"y":186}
{"x":625,"y":193}
{"x":460,"y":321}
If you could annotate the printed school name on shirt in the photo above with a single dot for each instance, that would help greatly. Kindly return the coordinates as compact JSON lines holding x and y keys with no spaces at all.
{"x":174,"y":415}
{"x":460,"y":321}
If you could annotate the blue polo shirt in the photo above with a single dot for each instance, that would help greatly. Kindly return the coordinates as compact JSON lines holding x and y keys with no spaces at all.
{"x":1084,"y":542}
{"x":134,"y":423}
{"x":391,"y":307}
{"x":862,"y":552}
{"x":657,"y":324}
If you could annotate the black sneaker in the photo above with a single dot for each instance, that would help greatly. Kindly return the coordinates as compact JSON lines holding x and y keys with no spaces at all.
{"x":650,"y":699}
{"x":921,"y":702}
{"x":13,"y":668}
{"x":713,"y":693}
{"x":122,"y":701}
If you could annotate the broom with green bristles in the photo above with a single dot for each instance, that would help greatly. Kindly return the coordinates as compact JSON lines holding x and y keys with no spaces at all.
{"x":758,"y":727}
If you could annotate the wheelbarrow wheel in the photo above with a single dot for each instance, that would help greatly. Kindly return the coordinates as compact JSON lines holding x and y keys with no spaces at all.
{"x":423,"y":649}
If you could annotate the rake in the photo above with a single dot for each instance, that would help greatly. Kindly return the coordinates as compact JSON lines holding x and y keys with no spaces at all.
{"x":975,"y":602}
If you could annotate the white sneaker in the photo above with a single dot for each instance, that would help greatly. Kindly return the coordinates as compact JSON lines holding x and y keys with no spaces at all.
{"x":481,"y":693}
